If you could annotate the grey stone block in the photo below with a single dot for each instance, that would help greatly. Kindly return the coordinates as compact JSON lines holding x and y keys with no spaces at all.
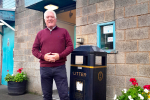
{"x":21,"y":14}
{"x":92,"y":38}
{"x":22,"y":33}
{"x":92,"y":28}
{"x":31,"y":31}
{"x":117,"y":81}
{"x":19,"y":58}
{"x":137,"y":58}
{"x":31,"y":18}
{"x":96,"y":18}
{"x":27,"y":38}
{"x":120,"y":35}
{"x":78,"y":30}
{"x":37,"y":29}
{"x":30,"y":58}
{"x":144,"y":20}
{"x":30,"y":44}
{"x":111,"y":69}
{"x":28,"y":25}
{"x":36,"y":73}
{"x":20,"y":39}
{"x":92,"y":18}
{"x":144,"y":45}
{"x":78,"y":12}
{"x":109,"y":15}
{"x":29,"y":12}
{"x":138,"y":33}
{"x":140,"y":1}
{"x":20,"y":9}
{"x":17,"y":46}
{"x":122,"y":3}
{"x":28,"y":51}
{"x":120,"y":57}
{"x":15,"y":52}
{"x":32,"y":38}
{"x":106,"y":5}
{"x":20,"y":52}
{"x":126,"y":46}
{"x":136,"y":9}
{"x":17,"y":21}
{"x":123,"y":69}
{"x":27,"y":65}
{"x":37,"y":23}
{"x":89,"y":10}
{"x":110,"y":91}
{"x":81,"y":3}
{"x":82,"y":36}
{"x":18,"y":64}
{"x":125,"y":23}
{"x":95,"y":1}
{"x":24,"y":45}
{"x":119,"y":13}
{"x":111,"y":58}
{"x":19,"y":3}
{"x":38,"y":15}
{"x":81,"y":21}
{"x":144,"y":70}
{"x":35,"y":65}
{"x":21,"y":27}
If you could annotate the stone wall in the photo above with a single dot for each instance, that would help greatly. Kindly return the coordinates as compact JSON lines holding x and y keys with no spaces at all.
{"x":27,"y":23}
{"x":132,"y":38}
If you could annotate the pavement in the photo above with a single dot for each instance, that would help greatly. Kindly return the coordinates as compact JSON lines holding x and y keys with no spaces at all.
{"x":28,"y":96}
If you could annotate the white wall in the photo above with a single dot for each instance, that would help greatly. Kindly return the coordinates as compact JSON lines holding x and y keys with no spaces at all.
{"x":70,"y":28}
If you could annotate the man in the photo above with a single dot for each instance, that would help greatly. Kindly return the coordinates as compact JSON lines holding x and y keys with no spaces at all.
{"x":51,"y":46}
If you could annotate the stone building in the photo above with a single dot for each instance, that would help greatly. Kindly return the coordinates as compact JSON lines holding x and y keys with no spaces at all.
{"x":128,"y":51}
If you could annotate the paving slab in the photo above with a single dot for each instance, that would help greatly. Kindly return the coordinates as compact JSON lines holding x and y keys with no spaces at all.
{"x":4,"y":95}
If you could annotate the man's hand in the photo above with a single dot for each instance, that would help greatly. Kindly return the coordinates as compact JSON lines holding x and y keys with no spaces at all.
{"x":48,"y":57}
{"x":51,"y":57}
{"x":56,"y":55}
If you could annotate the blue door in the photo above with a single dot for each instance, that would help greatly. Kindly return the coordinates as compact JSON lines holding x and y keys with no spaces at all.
{"x":7,"y":51}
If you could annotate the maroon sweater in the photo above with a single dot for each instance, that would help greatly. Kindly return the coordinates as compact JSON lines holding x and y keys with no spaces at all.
{"x":56,"y":41}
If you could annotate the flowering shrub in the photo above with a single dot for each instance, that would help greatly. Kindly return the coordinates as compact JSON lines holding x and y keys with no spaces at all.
{"x":19,"y":77}
{"x":135,"y":92}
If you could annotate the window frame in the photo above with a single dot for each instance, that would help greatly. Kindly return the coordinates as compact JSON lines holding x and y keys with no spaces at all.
{"x":99,"y":35}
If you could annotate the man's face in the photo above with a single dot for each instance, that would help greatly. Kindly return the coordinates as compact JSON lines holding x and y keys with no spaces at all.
{"x":50,"y":20}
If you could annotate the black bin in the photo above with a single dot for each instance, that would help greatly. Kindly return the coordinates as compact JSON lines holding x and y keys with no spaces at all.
{"x":88,"y":80}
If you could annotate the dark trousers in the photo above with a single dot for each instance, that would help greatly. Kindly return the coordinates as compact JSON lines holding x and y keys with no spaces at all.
{"x":60,"y":77}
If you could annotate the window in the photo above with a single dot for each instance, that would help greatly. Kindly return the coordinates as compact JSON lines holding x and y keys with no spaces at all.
{"x":9,"y":4}
{"x":106,"y":37}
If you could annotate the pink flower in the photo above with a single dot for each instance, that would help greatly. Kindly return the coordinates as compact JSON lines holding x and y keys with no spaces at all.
{"x":147,"y":87}
{"x":19,"y":70}
{"x":134,"y":83}
{"x":132,"y":80}
{"x":7,"y":70}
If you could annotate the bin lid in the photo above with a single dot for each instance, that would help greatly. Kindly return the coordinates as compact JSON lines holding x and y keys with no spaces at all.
{"x":88,"y":49}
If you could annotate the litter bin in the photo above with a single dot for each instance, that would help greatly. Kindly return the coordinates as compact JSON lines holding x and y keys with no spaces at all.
{"x":88,"y":80}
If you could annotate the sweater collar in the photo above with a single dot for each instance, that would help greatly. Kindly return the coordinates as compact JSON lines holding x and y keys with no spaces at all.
{"x":53,"y":28}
